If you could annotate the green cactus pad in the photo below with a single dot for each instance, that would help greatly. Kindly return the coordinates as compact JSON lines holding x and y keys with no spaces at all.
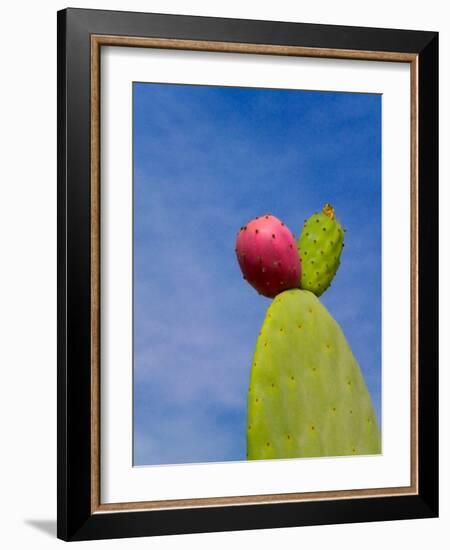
{"x":320,"y":246}
{"x":307,"y":396}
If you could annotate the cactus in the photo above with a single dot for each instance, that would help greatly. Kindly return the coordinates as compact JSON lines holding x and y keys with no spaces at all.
{"x":268,"y":256}
{"x":320,"y":246}
{"x":307,"y":396}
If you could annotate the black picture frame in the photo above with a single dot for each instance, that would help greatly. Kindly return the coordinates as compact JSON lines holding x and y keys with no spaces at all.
{"x":76,"y":521}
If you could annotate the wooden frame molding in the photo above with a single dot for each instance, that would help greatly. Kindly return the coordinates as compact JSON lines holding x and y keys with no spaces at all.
{"x":96,"y":42}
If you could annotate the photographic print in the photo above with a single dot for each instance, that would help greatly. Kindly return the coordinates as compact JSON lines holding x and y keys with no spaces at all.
{"x":257,"y":274}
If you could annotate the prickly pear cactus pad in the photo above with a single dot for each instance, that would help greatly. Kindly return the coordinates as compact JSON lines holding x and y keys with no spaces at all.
{"x":307,"y":396}
{"x":320,"y":246}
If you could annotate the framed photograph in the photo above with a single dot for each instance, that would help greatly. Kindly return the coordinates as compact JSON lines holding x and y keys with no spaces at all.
{"x":247,"y":255}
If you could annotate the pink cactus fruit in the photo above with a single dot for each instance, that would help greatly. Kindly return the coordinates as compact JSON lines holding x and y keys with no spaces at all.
{"x":268,"y":257}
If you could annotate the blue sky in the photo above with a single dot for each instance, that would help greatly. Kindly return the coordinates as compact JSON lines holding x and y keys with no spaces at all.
{"x":206,"y":160}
